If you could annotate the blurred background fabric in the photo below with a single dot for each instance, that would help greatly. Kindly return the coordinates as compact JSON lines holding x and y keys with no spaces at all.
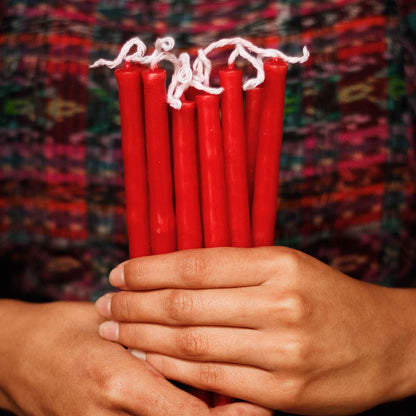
{"x":347,"y":183}
{"x":347,"y":186}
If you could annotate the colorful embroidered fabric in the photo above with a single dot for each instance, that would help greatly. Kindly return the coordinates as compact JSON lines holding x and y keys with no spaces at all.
{"x":347,"y":184}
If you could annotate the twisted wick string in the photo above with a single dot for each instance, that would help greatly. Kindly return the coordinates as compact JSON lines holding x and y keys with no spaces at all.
{"x":198,"y":76}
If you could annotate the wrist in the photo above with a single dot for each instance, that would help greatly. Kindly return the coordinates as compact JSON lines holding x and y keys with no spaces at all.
{"x":401,"y":360}
{"x":10,"y":339}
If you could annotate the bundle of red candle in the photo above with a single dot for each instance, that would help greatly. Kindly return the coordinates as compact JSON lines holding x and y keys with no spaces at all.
{"x":222,"y":187}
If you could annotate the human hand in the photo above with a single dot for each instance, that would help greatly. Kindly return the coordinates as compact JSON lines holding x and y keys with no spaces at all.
{"x":53,"y":362}
{"x":272,"y":326}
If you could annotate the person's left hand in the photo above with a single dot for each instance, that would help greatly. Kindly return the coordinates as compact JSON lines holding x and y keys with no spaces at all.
{"x":272,"y":326}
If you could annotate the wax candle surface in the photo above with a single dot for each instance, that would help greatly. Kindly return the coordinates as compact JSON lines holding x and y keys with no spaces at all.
{"x":233,"y":131}
{"x":268,"y":153}
{"x":134,"y":158}
{"x":214,"y":197}
{"x":159,"y":168}
{"x":252,"y":120}
{"x":188,"y":210}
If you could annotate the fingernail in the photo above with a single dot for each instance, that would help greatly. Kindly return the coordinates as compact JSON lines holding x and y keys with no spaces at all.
{"x":109,"y":330}
{"x":103,"y":305}
{"x":117,"y":276}
{"x":141,"y":355}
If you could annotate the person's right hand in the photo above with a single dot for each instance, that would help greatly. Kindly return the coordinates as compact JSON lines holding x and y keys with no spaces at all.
{"x":53,"y":363}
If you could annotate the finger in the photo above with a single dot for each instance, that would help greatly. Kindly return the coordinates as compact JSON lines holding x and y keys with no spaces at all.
{"x":217,"y":344}
{"x":239,"y":307}
{"x":242,"y":382}
{"x":241,"y":408}
{"x":148,"y":393}
{"x":195,"y":269}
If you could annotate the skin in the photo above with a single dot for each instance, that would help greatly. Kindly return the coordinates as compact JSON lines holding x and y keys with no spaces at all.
{"x":272,"y":326}
{"x":54,"y":363}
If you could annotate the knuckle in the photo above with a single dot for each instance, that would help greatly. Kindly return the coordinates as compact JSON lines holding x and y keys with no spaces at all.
{"x":122,"y":306}
{"x":291,"y":260}
{"x":193,"y":342}
{"x":291,"y":392}
{"x":210,"y":376}
{"x":290,"y":307}
{"x":295,"y":389}
{"x":288,"y":260}
{"x":194,"y":267}
{"x":295,"y":307}
{"x":113,"y":388}
{"x":180,"y":305}
{"x":132,"y":270}
{"x":296,"y":352}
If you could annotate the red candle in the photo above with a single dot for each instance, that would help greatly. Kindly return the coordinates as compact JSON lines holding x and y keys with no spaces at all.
{"x":214,"y":196}
{"x":188,"y":211}
{"x":134,"y":158}
{"x":252,"y":119}
{"x":268,"y":153}
{"x":233,"y":130}
{"x":159,"y":169}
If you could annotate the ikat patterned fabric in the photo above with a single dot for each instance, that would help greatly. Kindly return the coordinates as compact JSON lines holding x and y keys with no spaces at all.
{"x":347,"y":183}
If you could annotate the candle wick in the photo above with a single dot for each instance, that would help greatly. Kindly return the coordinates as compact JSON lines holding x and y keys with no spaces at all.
{"x":123,"y":55}
{"x":197,"y":76}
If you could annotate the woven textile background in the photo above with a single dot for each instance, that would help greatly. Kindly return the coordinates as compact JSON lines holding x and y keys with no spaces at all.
{"x":347,"y":185}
